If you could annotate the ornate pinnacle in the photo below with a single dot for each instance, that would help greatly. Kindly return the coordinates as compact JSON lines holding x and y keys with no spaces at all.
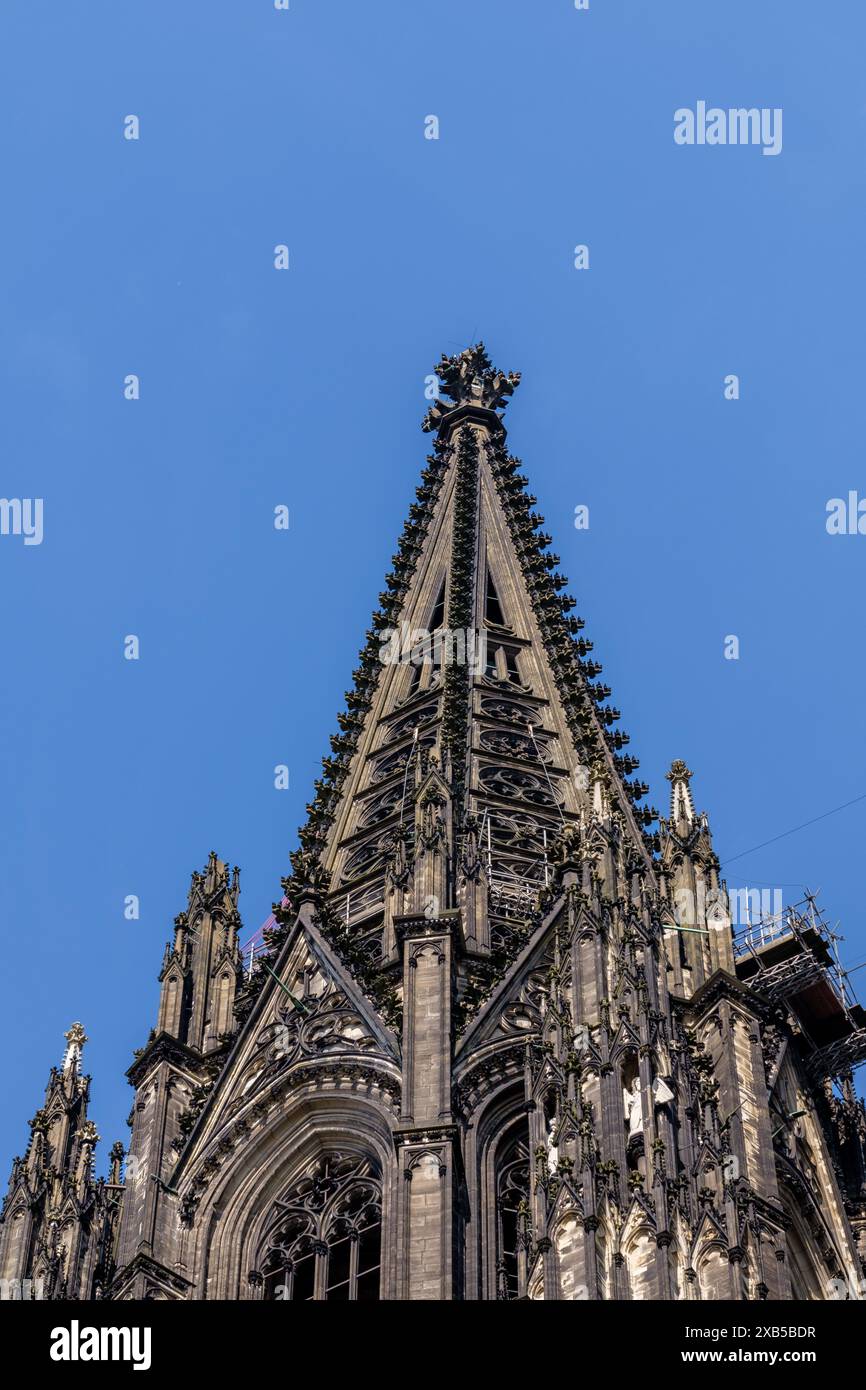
{"x":469,"y":378}
{"x":679,"y":771}
{"x":75,"y":1040}
{"x":116,"y":1156}
{"x":682,"y":806}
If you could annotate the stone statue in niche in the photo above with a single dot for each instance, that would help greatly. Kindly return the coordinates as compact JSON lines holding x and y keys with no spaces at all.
{"x":633,"y":1108}
{"x":552,"y":1146}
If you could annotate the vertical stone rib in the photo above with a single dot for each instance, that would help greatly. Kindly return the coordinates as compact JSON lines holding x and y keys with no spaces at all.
{"x":461,"y":609}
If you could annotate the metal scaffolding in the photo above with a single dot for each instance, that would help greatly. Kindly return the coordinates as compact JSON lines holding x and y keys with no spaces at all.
{"x":793,"y":957}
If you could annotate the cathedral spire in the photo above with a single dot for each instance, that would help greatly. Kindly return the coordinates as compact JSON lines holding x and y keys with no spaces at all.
{"x":474,"y":664}
{"x":501,"y":1022}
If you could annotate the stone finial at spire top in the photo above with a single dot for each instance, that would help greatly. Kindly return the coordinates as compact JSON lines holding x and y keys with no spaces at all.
{"x":679,"y":771}
{"x":75,"y":1040}
{"x":214,"y":872}
{"x":682,"y":806}
{"x":469,"y":378}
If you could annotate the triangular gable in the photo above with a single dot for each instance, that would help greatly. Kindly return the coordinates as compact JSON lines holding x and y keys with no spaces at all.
{"x":513,"y":1007}
{"x":326,"y":1015}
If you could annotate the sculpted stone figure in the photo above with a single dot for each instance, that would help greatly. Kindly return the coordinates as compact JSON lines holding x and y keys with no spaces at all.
{"x":552,"y":1146}
{"x":633,"y":1108}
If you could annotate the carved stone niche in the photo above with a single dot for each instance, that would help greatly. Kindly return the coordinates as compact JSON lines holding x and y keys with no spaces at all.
{"x":633,"y":1116}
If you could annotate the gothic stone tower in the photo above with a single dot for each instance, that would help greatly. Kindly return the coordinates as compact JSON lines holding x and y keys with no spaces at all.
{"x":502,"y":1043}
{"x":58,"y":1228}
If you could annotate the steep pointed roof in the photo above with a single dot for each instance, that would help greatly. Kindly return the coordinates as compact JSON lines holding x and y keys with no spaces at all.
{"x":60,"y":1125}
{"x":475,"y":666}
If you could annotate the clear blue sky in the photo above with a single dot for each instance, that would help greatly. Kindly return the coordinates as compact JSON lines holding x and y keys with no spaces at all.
{"x":305,"y":387}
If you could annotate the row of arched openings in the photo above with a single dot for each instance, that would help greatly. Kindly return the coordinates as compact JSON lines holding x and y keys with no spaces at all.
{"x":324,"y":1237}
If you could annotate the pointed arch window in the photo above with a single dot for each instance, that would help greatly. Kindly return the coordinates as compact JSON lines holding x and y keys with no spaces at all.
{"x":492,"y":607}
{"x":512,"y":1215}
{"x":425,"y":664}
{"x":437,"y":619}
{"x":324,"y":1240}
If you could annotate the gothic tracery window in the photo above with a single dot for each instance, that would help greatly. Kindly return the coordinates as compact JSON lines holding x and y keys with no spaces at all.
{"x":421,"y":715}
{"x":512,"y":1215}
{"x":516,"y":785}
{"x":325,"y":1237}
{"x":510,"y":712}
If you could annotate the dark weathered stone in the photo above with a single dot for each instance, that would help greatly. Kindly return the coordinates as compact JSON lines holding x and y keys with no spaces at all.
{"x":480,"y":1057}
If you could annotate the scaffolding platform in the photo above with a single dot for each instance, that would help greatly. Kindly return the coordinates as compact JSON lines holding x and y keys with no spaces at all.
{"x":793,"y":957}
